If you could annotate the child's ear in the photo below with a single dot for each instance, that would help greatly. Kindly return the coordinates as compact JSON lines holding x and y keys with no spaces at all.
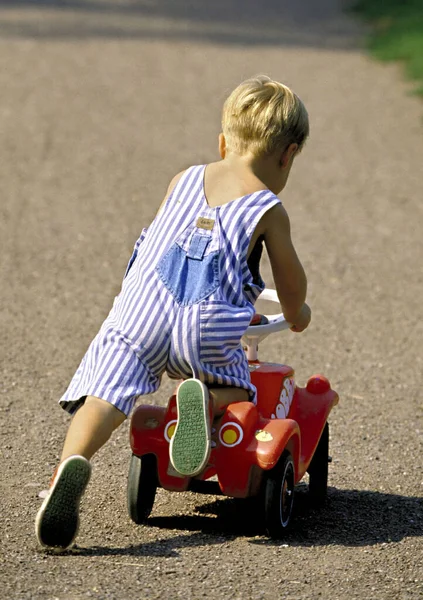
{"x":287,"y":155}
{"x":222,"y":146}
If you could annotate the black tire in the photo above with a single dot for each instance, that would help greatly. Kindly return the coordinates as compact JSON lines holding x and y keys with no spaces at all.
{"x":318,"y":470}
{"x":279,"y":496}
{"x":142,"y":486}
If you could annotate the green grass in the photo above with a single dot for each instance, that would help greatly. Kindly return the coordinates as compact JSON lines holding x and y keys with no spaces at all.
{"x":397,"y":33}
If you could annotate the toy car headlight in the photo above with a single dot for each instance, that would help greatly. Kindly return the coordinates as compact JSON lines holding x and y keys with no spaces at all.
{"x":170,"y":430}
{"x":231,"y":434}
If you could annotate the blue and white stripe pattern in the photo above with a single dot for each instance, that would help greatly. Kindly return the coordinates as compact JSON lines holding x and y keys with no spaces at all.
{"x":150,"y":330}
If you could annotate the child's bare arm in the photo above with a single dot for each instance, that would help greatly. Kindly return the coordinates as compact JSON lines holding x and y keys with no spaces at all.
{"x":288,"y":272}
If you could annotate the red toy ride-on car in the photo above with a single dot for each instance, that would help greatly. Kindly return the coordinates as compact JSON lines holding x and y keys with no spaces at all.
{"x":262,"y":450}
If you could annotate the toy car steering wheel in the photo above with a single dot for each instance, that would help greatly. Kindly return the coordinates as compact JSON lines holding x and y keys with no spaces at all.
{"x":257,"y":333}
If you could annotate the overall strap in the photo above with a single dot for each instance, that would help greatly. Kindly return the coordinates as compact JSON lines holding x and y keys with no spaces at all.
{"x":188,"y":184}
{"x":204,"y":231}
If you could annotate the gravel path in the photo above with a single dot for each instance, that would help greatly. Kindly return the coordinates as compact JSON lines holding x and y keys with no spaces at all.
{"x":101,"y":103}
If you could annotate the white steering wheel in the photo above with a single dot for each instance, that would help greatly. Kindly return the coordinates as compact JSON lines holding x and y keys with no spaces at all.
{"x":257,"y":333}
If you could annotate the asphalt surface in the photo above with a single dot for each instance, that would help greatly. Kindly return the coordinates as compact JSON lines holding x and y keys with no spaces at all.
{"x":101,"y":104}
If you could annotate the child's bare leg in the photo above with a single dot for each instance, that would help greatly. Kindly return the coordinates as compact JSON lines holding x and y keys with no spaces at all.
{"x":57,"y":520}
{"x":223,"y":396}
{"x":91,"y":427}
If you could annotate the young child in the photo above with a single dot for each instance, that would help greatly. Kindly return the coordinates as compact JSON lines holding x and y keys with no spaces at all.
{"x":187,"y":298}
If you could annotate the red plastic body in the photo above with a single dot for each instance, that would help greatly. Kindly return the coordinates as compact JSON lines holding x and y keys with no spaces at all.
{"x":251,"y":438}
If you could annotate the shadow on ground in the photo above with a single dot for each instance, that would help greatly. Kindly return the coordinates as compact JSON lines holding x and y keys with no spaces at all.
{"x":239,"y":22}
{"x":351,"y":518}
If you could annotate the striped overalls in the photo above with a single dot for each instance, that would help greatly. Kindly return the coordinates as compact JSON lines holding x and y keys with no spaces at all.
{"x":186,"y":300}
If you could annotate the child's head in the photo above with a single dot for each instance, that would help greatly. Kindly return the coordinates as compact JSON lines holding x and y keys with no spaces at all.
{"x":262,"y":116}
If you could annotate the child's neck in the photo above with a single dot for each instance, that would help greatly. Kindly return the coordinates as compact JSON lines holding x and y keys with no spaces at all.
{"x":258,"y":170}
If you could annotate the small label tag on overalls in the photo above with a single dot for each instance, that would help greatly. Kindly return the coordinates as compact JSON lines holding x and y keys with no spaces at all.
{"x":203,"y":223}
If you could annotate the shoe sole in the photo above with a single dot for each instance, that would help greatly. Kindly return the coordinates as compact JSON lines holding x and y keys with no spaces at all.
{"x":190,"y":445}
{"x":57,"y":521}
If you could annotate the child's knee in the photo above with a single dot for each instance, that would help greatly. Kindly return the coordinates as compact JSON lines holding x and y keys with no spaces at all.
{"x":104,"y":410}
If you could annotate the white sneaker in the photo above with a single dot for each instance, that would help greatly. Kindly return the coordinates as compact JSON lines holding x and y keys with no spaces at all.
{"x":57,"y":520}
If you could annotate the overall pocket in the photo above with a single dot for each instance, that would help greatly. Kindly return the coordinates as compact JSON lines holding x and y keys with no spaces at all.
{"x":221,"y":327}
{"x":189,"y":279}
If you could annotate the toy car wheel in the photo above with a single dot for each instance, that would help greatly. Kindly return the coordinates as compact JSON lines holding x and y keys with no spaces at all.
{"x":279,"y":496}
{"x":318,"y":470}
{"x":142,"y":486}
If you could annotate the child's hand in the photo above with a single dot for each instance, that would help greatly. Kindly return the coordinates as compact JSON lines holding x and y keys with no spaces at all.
{"x":303,"y":319}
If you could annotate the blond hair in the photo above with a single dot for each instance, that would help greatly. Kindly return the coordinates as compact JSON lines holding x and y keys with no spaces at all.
{"x":262,"y":115}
